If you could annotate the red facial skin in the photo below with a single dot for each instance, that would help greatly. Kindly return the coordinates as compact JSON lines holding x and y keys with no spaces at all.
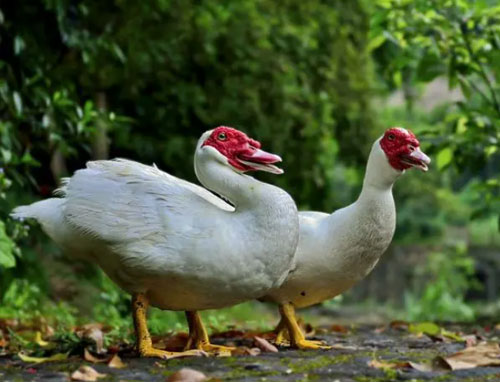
{"x":398,"y":143}
{"x":233,"y":145}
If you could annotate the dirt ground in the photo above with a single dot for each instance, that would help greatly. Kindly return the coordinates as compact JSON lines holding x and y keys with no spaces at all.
{"x":348,"y":362}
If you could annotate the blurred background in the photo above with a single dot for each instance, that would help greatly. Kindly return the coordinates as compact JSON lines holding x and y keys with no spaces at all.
{"x":316,"y":81}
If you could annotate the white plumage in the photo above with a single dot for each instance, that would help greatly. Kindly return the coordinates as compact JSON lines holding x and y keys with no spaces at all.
{"x":337,"y":250}
{"x":177,"y":243}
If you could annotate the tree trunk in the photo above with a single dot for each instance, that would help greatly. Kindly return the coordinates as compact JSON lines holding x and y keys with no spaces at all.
{"x":100,"y":141}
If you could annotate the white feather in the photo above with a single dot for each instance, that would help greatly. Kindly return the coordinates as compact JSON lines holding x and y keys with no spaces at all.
{"x":336,"y":251}
{"x":179,"y":243}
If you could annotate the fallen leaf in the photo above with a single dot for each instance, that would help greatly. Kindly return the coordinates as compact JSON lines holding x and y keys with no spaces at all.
{"x":88,"y":356}
{"x":243,"y":350}
{"x":377,"y":364}
{"x":424,"y":367}
{"x":39,"y":341}
{"x":232,"y":334}
{"x":452,"y":335}
{"x":428,"y":328}
{"x":48,"y":330}
{"x":339,"y":328}
{"x":344,"y":347}
{"x":265,"y":345}
{"x":93,"y":333}
{"x":87,"y":374}
{"x":56,"y":357}
{"x":116,"y":362}
{"x":398,"y":365}
{"x":187,"y":375}
{"x":484,"y":354}
{"x":174,"y":342}
{"x":399,"y":324}
{"x":92,"y":325}
{"x":470,"y":340}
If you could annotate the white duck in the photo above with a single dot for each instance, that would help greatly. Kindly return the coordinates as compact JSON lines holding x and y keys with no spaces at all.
{"x":173,"y":244}
{"x":336,"y":251}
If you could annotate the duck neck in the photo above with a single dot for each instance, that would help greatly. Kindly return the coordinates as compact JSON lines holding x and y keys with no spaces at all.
{"x":243,"y":191}
{"x":380,"y":176}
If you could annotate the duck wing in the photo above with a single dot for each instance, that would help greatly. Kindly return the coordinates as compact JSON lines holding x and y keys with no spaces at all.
{"x":120,"y":201}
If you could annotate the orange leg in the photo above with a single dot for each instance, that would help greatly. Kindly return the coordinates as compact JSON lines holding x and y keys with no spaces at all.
{"x":297,"y":338}
{"x":198,"y":337}
{"x":144,"y":344}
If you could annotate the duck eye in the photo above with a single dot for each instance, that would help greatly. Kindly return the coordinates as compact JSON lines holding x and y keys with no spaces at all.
{"x":221,"y":137}
{"x":391,"y":137}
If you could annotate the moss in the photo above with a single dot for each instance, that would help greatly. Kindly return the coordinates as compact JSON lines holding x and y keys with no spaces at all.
{"x":319,"y":362}
{"x":491,"y":377}
{"x":240,"y":372}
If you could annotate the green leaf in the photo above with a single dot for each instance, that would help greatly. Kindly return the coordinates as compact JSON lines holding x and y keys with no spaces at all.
{"x":119,"y":53}
{"x":397,"y":77}
{"x":19,"y":45}
{"x":18,"y":102}
{"x":444,"y":158}
{"x":7,"y":259}
{"x":56,"y":357}
{"x":428,"y":328}
{"x":376,"y":42}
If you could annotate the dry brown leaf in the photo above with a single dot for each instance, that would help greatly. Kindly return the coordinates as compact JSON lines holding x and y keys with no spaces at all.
{"x":187,"y":375}
{"x":470,"y":340}
{"x":88,"y":356}
{"x":48,"y":331}
{"x":95,"y":334}
{"x":484,"y":354}
{"x":399,"y":324}
{"x":174,"y":342}
{"x":232,"y":334}
{"x":116,"y":362}
{"x":87,"y":374}
{"x":420,"y":366}
{"x":243,"y":350}
{"x":344,"y":347}
{"x":398,"y":365}
{"x":264,"y":345}
{"x":377,"y":364}
{"x":339,"y":328}
{"x":92,"y":325}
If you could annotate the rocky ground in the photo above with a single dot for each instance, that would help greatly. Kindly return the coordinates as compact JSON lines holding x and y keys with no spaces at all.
{"x":362,"y":353}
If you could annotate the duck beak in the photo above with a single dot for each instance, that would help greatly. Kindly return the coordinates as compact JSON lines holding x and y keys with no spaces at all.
{"x":418,"y":159}
{"x":260,"y":160}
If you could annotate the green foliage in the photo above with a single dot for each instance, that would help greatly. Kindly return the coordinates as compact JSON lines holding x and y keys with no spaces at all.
{"x":7,"y":259}
{"x":296,"y":75}
{"x":417,"y":41}
{"x":27,"y":302}
{"x":156,"y":75}
{"x":270,"y":69}
{"x":448,"y":275}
